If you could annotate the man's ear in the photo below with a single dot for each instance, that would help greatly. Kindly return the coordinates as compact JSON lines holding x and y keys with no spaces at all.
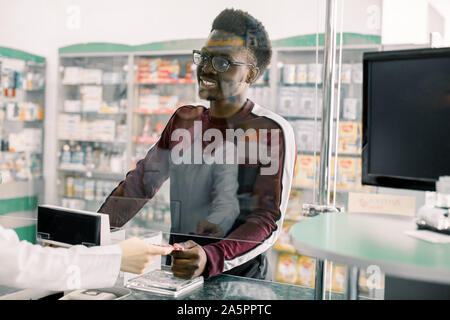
{"x":253,"y":75}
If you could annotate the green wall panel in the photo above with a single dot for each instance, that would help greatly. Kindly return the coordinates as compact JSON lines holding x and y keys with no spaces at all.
{"x":18,"y":204}
{"x":27,"y":233}
{"x":19,"y":54}
{"x":96,"y":47}
{"x":308,"y":40}
{"x":189,"y":44}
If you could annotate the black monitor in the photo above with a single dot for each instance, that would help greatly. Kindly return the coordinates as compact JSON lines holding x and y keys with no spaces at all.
{"x":406,"y":118}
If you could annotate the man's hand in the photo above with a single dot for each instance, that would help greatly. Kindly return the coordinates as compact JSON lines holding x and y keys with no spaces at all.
{"x":189,"y":263}
{"x":206,"y":227}
{"x":138,"y":254}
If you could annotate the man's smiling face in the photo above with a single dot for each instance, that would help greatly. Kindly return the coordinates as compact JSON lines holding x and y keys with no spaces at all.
{"x":234,"y":82}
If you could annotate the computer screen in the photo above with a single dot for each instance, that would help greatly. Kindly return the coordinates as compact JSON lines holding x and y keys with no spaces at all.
{"x":406,"y":118}
{"x":68,"y":226}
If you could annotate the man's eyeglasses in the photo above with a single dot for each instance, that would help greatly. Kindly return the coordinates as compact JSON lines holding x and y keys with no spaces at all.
{"x":219,"y":63}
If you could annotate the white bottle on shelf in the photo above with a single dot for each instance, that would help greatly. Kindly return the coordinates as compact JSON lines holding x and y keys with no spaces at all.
{"x":78,"y":158}
{"x":89,"y":158}
{"x":146,"y":131}
{"x":66,"y":156}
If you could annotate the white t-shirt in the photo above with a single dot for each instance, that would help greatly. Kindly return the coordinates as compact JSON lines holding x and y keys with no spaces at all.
{"x":24,"y":265}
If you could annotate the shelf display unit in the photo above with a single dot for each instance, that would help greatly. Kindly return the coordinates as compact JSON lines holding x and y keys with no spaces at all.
{"x":92,"y":132}
{"x":298,"y":82}
{"x":297,"y":87}
{"x":22,"y":104}
{"x":163,"y":82}
{"x":261,"y":91}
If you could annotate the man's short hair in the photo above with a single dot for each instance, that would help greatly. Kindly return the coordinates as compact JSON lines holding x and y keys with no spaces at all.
{"x":251,"y":30}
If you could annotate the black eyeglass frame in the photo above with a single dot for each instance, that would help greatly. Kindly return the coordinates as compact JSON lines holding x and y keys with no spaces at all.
{"x":212,"y":58}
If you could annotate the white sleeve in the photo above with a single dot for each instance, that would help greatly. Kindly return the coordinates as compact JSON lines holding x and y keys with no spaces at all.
{"x":224,"y":207}
{"x":24,"y":265}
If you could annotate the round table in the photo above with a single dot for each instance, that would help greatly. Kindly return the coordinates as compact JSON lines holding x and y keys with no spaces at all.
{"x":363,"y":240}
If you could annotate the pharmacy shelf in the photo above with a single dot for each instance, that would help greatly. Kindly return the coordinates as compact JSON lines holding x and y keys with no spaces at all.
{"x":92,"y":140}
{"x":21,"y":121}
{"x":23,"y":84}
{"x":299,"y":219}
{"x":95,"y":173}
{"x":89,"y":113}
{"x":99,"y":201}
{"x":301,"y":85}
{"x":313,"y":85}
{"x":19,"y":152}
{"x":299,"y":49}
{"x":340,"y":154}
{"x":30,"y":90}
{"x":95,"y":84}
{"x":261,"y":85}
{"x":291,"y":117}
{"x":145,"y":140}
{"x":167,"y":111}
{"x":340,"y":190}
{"x":107,"y":58}
{"x":285,"y":250}
{"x":167,"y":81}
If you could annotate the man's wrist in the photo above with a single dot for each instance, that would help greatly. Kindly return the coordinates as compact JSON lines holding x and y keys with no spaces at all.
{"x":214,"y":260}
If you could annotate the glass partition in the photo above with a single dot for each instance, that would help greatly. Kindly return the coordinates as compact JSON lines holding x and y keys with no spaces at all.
{"x":216,"y":139}
{"x":198,"y":160}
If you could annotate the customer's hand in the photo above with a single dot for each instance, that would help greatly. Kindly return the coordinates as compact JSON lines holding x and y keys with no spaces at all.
{"x":209,"y":228}
{"x":190,"y":262}
{"x":138,"y":254}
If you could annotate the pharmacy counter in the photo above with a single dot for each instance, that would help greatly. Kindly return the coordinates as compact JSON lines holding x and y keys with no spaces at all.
{"x":227,"y":287}
{"x":414,"y":268}
{"x":221,"y":287}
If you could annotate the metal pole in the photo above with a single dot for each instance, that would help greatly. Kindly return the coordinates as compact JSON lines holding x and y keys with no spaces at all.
{"x":351,"y":283}
{"x":319,"y":285}
{"x":328,"y":103}
{"x":130,"y":107}
{"x":327,"y":125}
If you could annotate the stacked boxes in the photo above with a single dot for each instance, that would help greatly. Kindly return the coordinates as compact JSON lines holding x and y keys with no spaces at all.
{"x":301,"y":270}
{"x":349,"y":172}
{"x":91,"y":98}
{"x":151,"y":70}
{"x":78,"y":75}
{"x":283,"y":242}
{"x":350,"y":134}
{"x":301,"y":73}
{"x":21,"y":111}
{"x":70,"y":126}
{"x":151,"y":101}
{"x":304,"y":171}
{"x":88,"y":189}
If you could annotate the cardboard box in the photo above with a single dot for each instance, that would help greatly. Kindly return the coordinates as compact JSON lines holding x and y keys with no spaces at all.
{"x":306,"y":268}
{"x":287,"y":268}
